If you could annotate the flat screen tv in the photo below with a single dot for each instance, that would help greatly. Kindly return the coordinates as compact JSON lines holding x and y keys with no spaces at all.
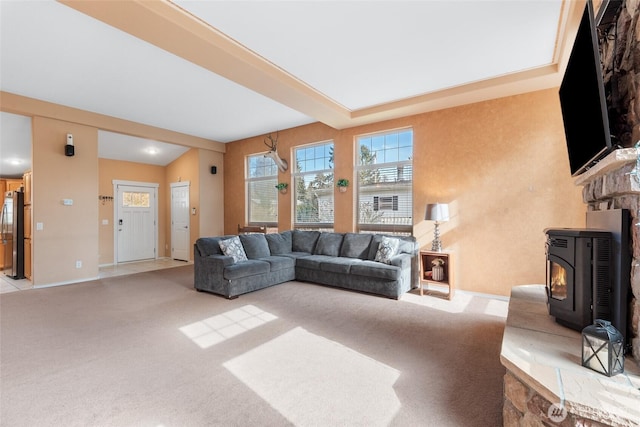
{"x":583,"y":99}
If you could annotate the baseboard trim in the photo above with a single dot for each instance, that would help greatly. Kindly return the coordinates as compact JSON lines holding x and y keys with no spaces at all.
{"x":71,"y":282}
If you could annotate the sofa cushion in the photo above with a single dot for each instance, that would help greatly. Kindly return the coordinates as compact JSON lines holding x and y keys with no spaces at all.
{"x":233,"y":247}
{"x":313,"y":262}
{"x":250,"y":267}
{"x":255,"y":245}
{"x":355,"y":245}
{"x":387,"y":248}
{"x":279,"y":262}
{"x":279,"y":243}
{"x":339,"y":265}
{"x":329,"y":244}
{"x":296,"y":255}
{"x":376,"y":270}
{"x":304,"y":240}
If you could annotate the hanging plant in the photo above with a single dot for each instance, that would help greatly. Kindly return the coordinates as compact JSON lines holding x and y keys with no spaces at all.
{"x":282,"y":187}
{"x":342,"y":184}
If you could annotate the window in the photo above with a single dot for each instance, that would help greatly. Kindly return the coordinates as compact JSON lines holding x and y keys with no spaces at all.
{"x":262,"y":195}
{"x":385,"y":182}
{"x":385,"y":203}
{"x":313,"y":187}
{"x":131,"y":199}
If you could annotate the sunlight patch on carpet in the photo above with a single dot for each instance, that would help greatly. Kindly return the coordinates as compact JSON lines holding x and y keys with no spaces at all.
{"x":213,"y":330}
{"x":461,"y":303}
{"x":313,"y":381}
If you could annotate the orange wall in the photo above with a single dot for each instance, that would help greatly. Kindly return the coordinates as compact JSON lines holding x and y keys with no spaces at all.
{"x":501,"y":165}
{"x":211,"y":212}
{"x":110,"y":170}
{"x":70,"y":233}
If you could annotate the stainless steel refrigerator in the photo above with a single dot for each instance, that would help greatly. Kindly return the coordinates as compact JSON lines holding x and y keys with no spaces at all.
{"x":12,"y":222}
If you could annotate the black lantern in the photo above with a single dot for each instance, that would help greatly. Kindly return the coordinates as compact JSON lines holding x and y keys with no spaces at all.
{"x":603,"y":348}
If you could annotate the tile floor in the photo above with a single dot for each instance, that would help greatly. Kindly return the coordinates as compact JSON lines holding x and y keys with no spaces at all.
{"x":10,"y":285}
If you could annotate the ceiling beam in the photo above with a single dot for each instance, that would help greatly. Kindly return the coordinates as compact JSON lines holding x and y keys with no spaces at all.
{"x":175,"y":30}
{"x":30,"y":107}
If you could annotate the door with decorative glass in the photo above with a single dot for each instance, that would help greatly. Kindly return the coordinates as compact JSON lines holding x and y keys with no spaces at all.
{"x":136,"y":224}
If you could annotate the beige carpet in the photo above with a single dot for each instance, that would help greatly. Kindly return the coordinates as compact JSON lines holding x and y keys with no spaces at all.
{"x":148,"y":350}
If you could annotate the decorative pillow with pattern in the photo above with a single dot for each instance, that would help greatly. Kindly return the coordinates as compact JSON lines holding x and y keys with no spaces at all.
{"x":386,"y":249}
{"x":233,"y":247}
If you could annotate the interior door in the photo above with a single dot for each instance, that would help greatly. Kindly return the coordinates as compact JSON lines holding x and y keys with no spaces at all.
{"x":136,"y":222}
{"x":180,"y":227}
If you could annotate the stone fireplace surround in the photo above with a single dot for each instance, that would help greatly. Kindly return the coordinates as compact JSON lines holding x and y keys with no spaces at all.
{"x":543,"y":359}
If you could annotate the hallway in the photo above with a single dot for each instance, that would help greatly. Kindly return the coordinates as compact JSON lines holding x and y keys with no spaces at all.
{"x":9,"y":285}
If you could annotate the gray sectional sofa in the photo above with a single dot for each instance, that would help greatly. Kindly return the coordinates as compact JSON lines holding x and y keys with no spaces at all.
{"x":346,"y":260}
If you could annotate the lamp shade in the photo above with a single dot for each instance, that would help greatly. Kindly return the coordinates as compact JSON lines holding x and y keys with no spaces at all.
{"x":437,"y":212}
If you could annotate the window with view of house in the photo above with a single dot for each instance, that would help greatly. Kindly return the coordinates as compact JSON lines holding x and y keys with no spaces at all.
{"x":313,"y":186}
{"x":385,"y":182}
{"x":262,"y":195}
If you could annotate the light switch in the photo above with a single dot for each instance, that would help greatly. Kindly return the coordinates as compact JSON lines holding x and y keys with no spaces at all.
{"x":67,"y":202}
{"x":105,"y":222}
{"x":39,"y":226}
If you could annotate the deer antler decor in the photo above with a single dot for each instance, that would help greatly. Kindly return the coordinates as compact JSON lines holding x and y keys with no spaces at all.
{"x":273,"y":152}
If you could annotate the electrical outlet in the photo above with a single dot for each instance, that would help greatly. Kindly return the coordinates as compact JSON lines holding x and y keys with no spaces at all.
{"x":78,"y":264}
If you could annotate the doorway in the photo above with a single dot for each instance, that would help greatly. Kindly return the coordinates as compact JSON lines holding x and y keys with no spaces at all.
{"x":180,"y":225}
{"x":135,"y":220}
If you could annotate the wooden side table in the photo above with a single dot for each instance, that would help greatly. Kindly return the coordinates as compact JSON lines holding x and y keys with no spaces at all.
{"x":427,"y":276}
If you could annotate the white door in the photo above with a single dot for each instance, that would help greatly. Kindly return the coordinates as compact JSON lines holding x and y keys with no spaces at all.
{"x":135,"y":222}
{"x":180,"y":229}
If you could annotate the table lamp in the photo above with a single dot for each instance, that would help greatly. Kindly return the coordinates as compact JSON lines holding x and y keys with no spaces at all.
{"x":438,"y":212}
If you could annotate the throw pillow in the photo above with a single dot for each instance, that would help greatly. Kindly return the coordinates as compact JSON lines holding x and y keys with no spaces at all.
{"x":387,"y":248}
{"x":233,"y":248}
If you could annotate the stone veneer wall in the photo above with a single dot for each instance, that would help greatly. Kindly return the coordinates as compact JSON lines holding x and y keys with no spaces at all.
{"x":523,"y":406}
{"x":620,"y":189}
{"x":620,"y":52}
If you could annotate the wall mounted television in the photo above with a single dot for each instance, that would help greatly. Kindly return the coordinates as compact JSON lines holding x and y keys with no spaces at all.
{"x":583,"y":99}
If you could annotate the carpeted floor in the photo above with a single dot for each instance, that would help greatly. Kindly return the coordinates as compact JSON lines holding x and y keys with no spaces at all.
{"x":148,"y":350}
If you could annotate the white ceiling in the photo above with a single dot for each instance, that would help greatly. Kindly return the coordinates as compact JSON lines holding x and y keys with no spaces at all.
{"x":351,"y":55}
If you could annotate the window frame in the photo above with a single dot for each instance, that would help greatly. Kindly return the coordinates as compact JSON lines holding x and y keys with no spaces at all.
{"x":401,"y":182}
{"x":329,"y":190}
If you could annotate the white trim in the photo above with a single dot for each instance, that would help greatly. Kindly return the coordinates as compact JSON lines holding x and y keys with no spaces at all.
{"x":136,"y":183}
{"x":179,"y":184}
{"x":72,"y":282}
